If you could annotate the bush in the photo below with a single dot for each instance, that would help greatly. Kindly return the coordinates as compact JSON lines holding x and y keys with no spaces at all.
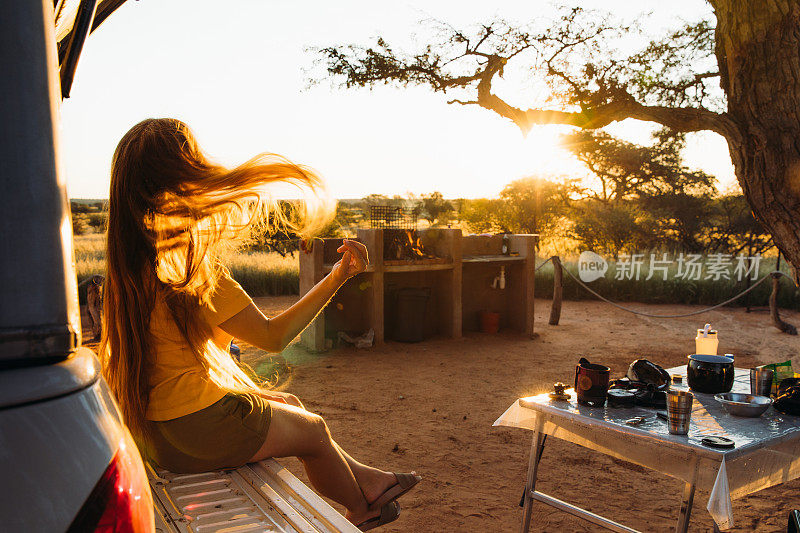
{"x":98,"y":221}
{"x":79,"y":224}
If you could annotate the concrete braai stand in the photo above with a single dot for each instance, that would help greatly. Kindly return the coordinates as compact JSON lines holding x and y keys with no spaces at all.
{"x":458,"y":270}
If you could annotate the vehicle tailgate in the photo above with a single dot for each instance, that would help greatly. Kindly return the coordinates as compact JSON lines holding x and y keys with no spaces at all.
{"x":261,"y":496}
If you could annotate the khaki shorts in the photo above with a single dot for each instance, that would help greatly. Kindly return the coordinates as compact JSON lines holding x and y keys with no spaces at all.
{"x":225,"y":434}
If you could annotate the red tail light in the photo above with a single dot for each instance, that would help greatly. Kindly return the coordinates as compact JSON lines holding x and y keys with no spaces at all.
{"x":121,"y":500}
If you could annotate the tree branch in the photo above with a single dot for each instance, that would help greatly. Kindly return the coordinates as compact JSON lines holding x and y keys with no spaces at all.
{"x":463,"y":102}
{"x":683,"y":119}
{"x":696,"y":81}
{"x":652,"y":85}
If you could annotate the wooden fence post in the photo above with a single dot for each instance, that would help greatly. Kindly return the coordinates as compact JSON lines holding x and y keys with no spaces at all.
{"x":555,"y":310}
{"x":773,"y":308}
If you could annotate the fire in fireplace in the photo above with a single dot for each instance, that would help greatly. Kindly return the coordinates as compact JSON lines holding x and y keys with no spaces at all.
{"x":403,"y":245}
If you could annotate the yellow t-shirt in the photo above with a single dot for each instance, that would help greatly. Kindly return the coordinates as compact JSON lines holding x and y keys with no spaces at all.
{"x":178,"y":384}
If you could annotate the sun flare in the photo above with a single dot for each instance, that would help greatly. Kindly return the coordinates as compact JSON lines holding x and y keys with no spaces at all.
{"x":540,"y":153}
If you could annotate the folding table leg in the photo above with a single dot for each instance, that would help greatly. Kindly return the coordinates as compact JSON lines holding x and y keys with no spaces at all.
{"x":688,"y":500}
{"x":537,"y":446}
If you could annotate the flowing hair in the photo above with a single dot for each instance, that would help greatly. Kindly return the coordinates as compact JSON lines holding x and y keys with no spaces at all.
{"x":171,"y":213}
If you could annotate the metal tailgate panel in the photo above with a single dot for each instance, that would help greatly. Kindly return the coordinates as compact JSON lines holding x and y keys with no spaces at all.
{"x":259,"y":497}
{"x":305,"y":501}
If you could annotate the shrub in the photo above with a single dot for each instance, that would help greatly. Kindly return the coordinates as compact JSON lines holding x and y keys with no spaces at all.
{"x":79,"y":224}
{"x":98,"y":221}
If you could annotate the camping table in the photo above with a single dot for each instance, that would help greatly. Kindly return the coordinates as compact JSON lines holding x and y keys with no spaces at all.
{"x":767,"y":448}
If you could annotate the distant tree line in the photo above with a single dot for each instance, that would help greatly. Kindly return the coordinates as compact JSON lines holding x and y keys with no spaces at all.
{"x":353,"y":214}
{"x":638,"y":198}
{"x":642,"y":198}
{"x":89,"y":216}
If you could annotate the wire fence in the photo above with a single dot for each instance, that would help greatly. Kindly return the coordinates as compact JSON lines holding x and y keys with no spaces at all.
{"x":549,"y":259}
{"x":558,"y":265}
{"x":682,"y":315}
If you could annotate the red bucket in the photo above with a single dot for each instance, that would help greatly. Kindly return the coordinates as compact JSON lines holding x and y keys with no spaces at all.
{"x":490,"y":322}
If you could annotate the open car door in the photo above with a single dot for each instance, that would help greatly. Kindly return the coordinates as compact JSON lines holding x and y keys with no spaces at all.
{"x":75,"y":20}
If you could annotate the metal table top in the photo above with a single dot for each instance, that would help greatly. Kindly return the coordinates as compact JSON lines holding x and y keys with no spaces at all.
{"x":709,"y":417}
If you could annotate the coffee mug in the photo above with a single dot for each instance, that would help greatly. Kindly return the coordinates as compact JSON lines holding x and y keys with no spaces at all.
{"x":591,"y":383}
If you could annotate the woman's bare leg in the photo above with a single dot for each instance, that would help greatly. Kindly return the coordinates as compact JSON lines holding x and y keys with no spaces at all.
{"x":296,"y":432}
{"x":373,"y":482}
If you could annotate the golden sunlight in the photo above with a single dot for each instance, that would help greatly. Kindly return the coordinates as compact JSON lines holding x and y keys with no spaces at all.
{"x":542,"y":152}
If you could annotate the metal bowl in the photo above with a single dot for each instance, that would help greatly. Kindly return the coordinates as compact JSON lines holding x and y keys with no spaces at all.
{"x":743,"y":404}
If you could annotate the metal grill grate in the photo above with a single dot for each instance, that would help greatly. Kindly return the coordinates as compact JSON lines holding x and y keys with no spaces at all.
{"x":386,"y":216}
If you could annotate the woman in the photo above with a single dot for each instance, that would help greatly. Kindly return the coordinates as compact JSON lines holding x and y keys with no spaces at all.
{"x":171,"y":310}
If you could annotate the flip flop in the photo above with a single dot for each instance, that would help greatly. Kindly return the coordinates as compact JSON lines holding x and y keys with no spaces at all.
{"x":389,"y":513}
{"x":405,"y":482}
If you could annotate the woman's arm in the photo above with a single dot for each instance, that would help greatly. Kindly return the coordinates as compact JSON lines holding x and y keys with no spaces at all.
{"x":273,"y":334}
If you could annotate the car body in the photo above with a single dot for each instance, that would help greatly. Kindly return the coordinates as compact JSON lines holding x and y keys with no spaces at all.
{"x":67,"y":462}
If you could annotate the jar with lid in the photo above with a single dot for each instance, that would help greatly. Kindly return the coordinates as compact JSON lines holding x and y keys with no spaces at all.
{"x":706,"y":341}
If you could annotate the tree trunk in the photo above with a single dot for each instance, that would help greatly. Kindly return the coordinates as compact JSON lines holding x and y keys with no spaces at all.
{"x":773,"y":308}
{"x":558,"y":284}
{"x":758,"y":50}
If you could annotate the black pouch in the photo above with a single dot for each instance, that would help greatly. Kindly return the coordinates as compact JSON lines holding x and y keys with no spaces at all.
{"x":648,"y":372}
{"x":651,"y":396}
{"x":788,"y":400}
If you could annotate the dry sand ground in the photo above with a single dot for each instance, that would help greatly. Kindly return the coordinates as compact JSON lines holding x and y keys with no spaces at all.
{"x":430,"y":407}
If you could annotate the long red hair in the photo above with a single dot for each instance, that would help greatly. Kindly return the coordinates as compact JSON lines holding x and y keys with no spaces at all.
{"x":171,"y":211}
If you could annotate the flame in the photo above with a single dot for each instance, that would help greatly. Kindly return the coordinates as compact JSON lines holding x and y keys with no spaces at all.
{"x":406,"y":244}
{"x":414,"y":246}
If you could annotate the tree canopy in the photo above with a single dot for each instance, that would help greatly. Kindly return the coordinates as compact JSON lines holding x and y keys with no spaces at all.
{"x":626,"y":170}
{"x":734,"y":73}
{"x":528,"y":205}
{"x":673,"y":80}
{"x":435,"y":209}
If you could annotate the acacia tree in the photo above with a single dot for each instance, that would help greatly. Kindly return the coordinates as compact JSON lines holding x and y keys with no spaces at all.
{"x":435,"y":209}
{"x":610,"y":228}
{"x":528,"y":205}
{"x":625,"y":170}
{"x":672,"y":200}
{"x":737,"y":74}
{"x":534,"y":204}
{"x":735,"y":230}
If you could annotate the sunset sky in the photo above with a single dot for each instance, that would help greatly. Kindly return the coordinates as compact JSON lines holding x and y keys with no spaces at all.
{"x":237,"y":73}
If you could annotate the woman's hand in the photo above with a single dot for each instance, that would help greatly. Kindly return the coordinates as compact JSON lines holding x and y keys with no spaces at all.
{"x":354,"y":261}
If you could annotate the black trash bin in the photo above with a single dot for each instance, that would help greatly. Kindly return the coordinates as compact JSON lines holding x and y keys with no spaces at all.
{"x":410,"y":314}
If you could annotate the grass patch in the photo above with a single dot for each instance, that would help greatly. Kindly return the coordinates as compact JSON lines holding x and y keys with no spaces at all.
{"x":673,"y":290}
{"x":90,"y":255}
{"x":264,"y":273}
{"x":260,"y":273}
{"x":269,"y":274}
